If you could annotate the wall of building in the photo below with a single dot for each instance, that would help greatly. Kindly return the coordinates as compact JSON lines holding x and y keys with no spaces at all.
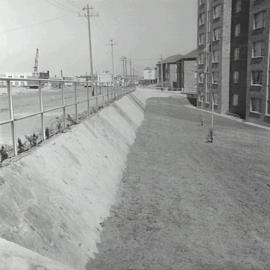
{"x":150,"y":74}
{"x":225,"y":52}
{"x":238,"y":90}
{"x":189,"y":76}
{"x":259,"y":92}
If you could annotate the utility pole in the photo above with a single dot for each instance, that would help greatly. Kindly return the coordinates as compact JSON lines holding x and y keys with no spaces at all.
{"x":112,"y":44}
{"x":89,"y":14}
{"x":124,"y":60}
{"x":130,"y":68}
{"x":161,"y":71}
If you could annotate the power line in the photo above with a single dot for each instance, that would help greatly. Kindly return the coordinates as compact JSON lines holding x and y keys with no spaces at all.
{"x":32,"y":25}
{"x":61,"y":6}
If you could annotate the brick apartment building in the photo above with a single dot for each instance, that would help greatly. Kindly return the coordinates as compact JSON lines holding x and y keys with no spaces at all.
{"x":239,"y":54}
{"x":214,"y":32}
{"x":234,"y":56}
{"x":179,"y":72}
{"x":186,"y":72}
{"x":258,"y":96}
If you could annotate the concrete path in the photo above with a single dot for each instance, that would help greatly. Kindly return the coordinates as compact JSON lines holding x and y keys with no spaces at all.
{"x":186,"y":204}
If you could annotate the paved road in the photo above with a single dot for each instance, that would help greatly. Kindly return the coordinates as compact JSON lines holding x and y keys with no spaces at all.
{"x":187,"y":204}
{"x":28,"y":102}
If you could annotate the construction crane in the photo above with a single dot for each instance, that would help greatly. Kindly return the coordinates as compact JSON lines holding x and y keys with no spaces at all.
{"x":35,"y":73}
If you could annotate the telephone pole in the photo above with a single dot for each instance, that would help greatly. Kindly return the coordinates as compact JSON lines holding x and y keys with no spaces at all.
{"x":112,"y":44}
{"x":89,"y":14}
{"x":124,"y":60}
{"x":130,"y":68}
{"x":161,"y":72}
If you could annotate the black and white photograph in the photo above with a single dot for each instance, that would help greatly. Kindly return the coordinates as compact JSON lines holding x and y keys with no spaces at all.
{"x":134,"y":135}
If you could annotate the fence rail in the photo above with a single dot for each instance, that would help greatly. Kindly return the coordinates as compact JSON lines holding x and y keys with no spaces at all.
{"x":111,"y":94}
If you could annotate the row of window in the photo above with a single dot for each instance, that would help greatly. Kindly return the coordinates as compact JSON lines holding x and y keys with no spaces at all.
{"x":256,"y":77}
{"x":258,"y":23}
{"x":257,"y":51}
{"x":255,"y":102}
{"x":217,"y":10}
{"x":216,"y":34}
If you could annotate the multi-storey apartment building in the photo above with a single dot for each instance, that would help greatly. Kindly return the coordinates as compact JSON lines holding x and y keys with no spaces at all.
{"x":239,"y":53}
{"x":258,"y":93}
{"x":214,"y":34}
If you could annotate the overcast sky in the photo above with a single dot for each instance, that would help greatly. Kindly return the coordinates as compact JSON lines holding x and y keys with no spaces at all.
{"x":143,"y":30}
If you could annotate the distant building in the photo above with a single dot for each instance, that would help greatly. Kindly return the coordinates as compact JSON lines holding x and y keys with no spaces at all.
{"x":16,"y":75}
{"x":105,"y":78}
{"x":149,"y":76}
{"x":179,"y":72}
{"x":167,"y":71}
{"x":187,"y":72}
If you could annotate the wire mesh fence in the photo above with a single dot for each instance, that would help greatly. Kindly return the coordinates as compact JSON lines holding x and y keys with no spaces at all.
{"x":31,"y":115}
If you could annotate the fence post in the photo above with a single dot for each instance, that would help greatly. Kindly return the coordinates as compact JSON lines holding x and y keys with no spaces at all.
{"x":88,"y":97}
{"x":76,"y":102}
{"x":41,"y":107}
{"x":64,"y":105}
{"x":103,"y":98}
{"x":96,"y":92}
{"x":11,"y":115}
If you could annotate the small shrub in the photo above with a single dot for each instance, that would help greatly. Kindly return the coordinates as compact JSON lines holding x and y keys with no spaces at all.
{"x":47,"y":133}
{"x":21,"y":146}
{"x":3,"y":153}
{"x":59,"y":127}
{"x":33,"y":140}
{"x":210,"y":136}
{"x":71,"y":120}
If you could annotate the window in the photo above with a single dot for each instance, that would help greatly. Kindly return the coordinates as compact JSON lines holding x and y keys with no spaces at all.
{"x":200,"y":97}
{"x":238,"y":6}
{"x":215,"y":56}
{"x":201,"y":2}
{"x":217,"y":12}
{"x":236,"y":54}
{"x":216,"y":34}
{"x":201,"y":19}
{"x":255,"y":105}
{"x":215,"y":77}
{"x":235,"y":100}
{"x":201,"y":78}
{"x":236,"y":77}
{"x":237,"y":29}
{"x":257,"y":50}
{"x":256,"y":77}
{"x":201,"y":59}
{"x":201,"y":39}
{"x":258,"y":20}
{"x":215,"y":98}
{"x":207,"y":100}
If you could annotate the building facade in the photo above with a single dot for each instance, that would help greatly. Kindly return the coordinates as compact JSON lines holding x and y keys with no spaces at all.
{"x":239,"y":55}
{"x":16,"y":75}
{"x":258,"y":94}
{"x":187,"y":72}
{"x":234,"y":57}
{"x":167,"y":71}
{"x":150,"y":75}
{"x":214,"y":46}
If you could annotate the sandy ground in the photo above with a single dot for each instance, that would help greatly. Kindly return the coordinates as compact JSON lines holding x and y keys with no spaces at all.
{"x":186,"y":204}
